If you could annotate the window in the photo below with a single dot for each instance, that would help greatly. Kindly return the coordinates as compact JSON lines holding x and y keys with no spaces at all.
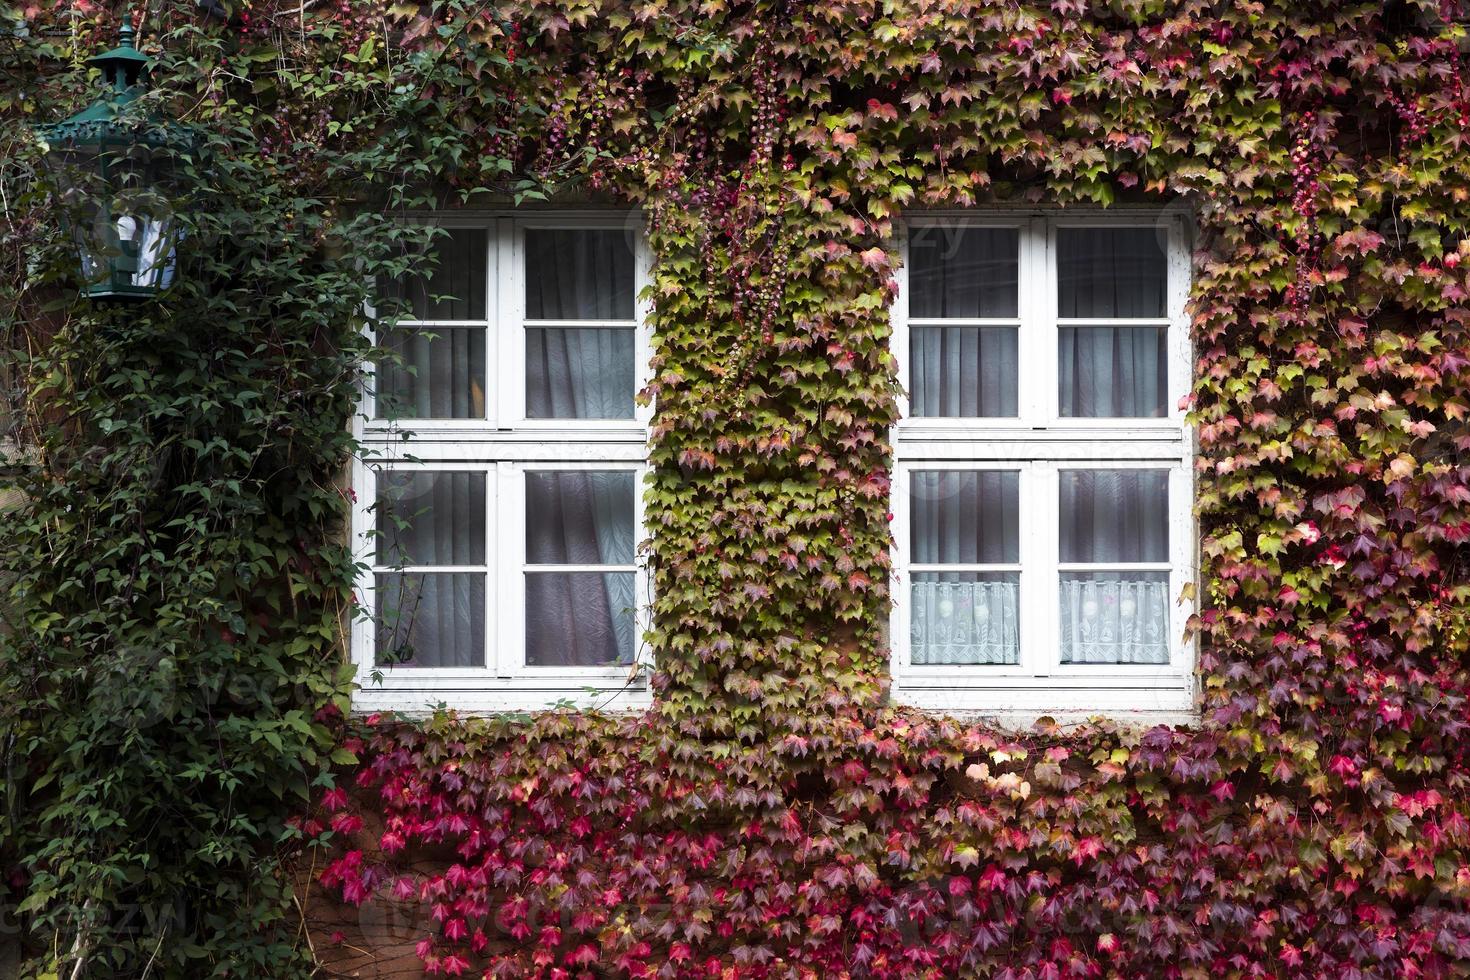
{"x":1043,"y":483}
{"x":500,"y":509}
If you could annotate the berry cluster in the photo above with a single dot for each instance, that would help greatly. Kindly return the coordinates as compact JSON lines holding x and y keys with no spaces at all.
{"x":1306,"y":168}
{"x":1415,"y":125}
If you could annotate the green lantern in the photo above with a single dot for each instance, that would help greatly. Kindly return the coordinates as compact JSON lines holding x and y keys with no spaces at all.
{"x":116,"y":173}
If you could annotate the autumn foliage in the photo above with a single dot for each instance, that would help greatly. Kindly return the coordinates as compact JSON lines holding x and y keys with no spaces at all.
{"x":773,"y":815}
{"x":770,"y":817}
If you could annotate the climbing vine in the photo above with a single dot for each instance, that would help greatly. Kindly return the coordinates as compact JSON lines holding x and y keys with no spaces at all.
{"x":772,"y":815}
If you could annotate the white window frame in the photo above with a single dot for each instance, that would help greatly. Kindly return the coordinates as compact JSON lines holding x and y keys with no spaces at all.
{"x":1039,"y":443}
{"x":505,"y":445}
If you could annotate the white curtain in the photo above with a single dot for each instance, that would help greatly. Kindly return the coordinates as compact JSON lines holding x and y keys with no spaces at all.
{"x":435,"y":518}
{"x":437,"y":372}
{"x":580,"y":517}
{"x":454,"y":287}
{"x":578,"y":274}
{"x":431,"y":619}
{"x":1112,"y":517}
{"x":573,"y":518}
{"x":963,"y":372}
{"x":964,"y":517}
{"x":579,"y":373}
{"x":1115,"y":618}
{"x":958,"y":272}
{"x":1111,"y":272}
{"x":964,"y":618}
{"x":1112,"y":371}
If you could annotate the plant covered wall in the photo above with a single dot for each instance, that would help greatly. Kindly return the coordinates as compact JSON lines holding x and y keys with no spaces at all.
{"x":772,"y":816}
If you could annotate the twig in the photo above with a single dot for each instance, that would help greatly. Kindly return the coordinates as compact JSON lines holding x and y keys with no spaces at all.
{"x":304,"y":930}
{"x":77,"y":949}
{"x":148,"y":967}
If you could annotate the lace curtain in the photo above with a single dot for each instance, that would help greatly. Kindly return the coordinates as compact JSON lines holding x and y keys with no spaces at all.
{"x":964,"y":618}
{"x":964,"y":517}
{"x":1115,"y":618}
{"x":1114,"y":517}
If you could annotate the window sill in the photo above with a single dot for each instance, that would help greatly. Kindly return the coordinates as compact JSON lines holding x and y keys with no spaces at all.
{"x":421,"y":702}
{"x":1019,"y":702}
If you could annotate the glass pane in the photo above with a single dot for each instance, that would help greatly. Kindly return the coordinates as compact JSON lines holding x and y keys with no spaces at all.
{"x":963,"y":272}
{"x":579,"y":373}
{"x":1111,"y":272}
{"x":962,"y":372}
{"x":1114,"y":516}
{"x":431,"y":619}
{"x":577,"y":274}
{"x":965,"y":618}
{"x":454,"y":288}
{"x":431,"y":517}
{"x":433,"y":373}
{"x":579,"y":517}
{"x":579,"y":619}
{"x":1112,"y":372}
{"x":965,"y":517}
{"x":1115,"y":618}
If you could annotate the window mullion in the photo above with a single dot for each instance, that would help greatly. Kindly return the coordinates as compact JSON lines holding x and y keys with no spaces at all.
{"x":508,"y":374}
{"x":1042,"y":604}
{"x":1047,"y":325}
{"x":508,"y":537}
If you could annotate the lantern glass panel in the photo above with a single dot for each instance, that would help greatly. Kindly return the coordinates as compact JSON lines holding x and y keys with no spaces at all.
{"x":117,"y":199}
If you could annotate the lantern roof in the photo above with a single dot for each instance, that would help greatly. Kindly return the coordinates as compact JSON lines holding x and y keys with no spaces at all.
{"x":124,"y":72}
{"x":127,"y":61}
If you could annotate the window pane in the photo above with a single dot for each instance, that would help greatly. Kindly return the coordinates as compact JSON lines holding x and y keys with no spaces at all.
{"x":576,"y":274}
{"x":965,"y":517}
{"x":454,"y":289}
{"x":1114,"y":516}
{"x":579,"y":517}
{"x":1112,"y":372}
{"x":965,"y":618}
{"x":431,"y":517}
{"x":1115,"y":618}
{"x":963,"y":272}
{"x":1111,"y":272}
{"x":579,"y":619}
{"x":576,"y":373}
{"x":434,"y":373}
{"x":431,"y":619}
{"x":962,"y":372}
